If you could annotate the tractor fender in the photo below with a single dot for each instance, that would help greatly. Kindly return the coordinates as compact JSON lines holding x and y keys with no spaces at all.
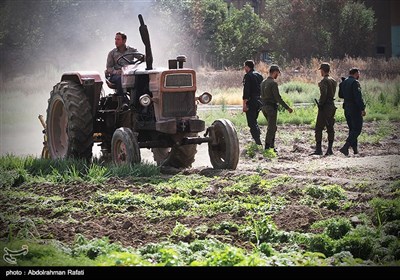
{"x":92,"y":83}
{"x":82,"y":76}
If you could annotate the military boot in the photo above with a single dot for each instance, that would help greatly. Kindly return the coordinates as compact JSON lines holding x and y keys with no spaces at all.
{"x":318,"y":149}
{"x":345,"y":149}
{"x":329,"y":150}
{"x":355,"y":149}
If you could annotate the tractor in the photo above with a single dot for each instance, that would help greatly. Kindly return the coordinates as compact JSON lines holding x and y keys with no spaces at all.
{"x":161,"y":115}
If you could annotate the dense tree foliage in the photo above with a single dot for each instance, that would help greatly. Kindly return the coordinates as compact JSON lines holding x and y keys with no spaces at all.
{"x":320,"y":28}
{"x":241,"y":37}
{"x":356,"y":24}
{"x":213,"y":33}
{"x":209,"y":31}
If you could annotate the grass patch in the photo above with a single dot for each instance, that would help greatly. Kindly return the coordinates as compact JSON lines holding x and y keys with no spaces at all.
{"x":17,"y":170}
{"x":382,"y":99}
{"x":385,"y":129}
{"x":330,"y":196}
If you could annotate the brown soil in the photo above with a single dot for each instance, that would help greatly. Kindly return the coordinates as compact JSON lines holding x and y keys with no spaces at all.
{"x":377,"y":166}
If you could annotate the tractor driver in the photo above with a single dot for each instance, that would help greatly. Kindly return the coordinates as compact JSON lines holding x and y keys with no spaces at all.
{"x":113,"y":71}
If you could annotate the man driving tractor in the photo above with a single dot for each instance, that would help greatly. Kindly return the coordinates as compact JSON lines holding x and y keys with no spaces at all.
{"x":114,"y":64}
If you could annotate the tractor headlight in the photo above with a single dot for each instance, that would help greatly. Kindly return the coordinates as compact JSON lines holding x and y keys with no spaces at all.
{"x":205,"y":98}
{"x":145,"y":100}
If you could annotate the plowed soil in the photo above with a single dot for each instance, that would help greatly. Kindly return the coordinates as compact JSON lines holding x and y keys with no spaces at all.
{"x":376,"y":167}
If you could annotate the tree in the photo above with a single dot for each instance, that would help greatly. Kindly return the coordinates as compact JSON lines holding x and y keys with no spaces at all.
{"x":319,"y":28}
{"x":211,"y":14}
{"x":62,"y":32}
{"x":356,"y":25}
{"x":218,"y":39}
{"x":241,"y":36}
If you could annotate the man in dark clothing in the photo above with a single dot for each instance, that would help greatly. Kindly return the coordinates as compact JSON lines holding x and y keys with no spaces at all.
{"x":271,"y":98}
{"x":251,"y":98}
{"x":354,"y":109}
{"x":326,"y":110}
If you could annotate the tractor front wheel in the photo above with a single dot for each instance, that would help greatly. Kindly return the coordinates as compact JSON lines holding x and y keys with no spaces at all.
{"x":124,"y":147}
{"x":224,"y":149}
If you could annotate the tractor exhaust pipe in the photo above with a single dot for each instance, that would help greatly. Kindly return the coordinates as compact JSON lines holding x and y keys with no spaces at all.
{"x":144,"y":33}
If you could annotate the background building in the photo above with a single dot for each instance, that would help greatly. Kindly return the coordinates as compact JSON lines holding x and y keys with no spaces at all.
{"x":387,"y":31}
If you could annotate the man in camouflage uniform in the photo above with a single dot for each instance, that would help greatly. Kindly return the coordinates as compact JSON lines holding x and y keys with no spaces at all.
{"x":271,"y":98}
{"x":326,"y":110}
{"x":251,"y":98}
{"x":113,"y":71}
{"x":354,"y":109}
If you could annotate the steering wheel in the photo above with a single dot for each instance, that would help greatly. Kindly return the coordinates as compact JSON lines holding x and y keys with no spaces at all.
{"x":137,"y":58}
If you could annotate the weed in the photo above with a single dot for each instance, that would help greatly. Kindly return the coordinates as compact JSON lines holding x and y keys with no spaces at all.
{"x":227,"y":227}
{"x":228,"y":256}
{"x":359,"y":243}
{"x":174,"y":203}
{"x":269,"y":153}
{"x":97,"y":174}
{"x":181,"y":231}
{"x":122,"y":259}
{"x":323,"y":244}
{"x":386,"y":209}
{"x":266,"y":249}
{"x":260,"y":230}
{"x":328,"y":191}
{"x":185,"y":183}
{"x":252,"y":149}
{"x":95,"y":247}
{"x":335,"y":228}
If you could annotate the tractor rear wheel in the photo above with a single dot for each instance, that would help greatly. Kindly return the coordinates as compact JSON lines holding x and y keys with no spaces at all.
{"x":160,"y":155}
{"x":225,"y":153}
{"x":124,"y":147}
{"x":178,"y":156}
{"x":69,"y":123}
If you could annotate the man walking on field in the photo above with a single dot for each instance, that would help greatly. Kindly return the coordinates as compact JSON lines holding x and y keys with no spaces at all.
{"x":271,"y":98}
{"x":251,"y":98}
{"x":354,"y":109}
{"x":326,"y":110}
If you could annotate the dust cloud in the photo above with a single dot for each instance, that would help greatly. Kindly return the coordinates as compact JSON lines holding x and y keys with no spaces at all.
{"x":24,"y":97}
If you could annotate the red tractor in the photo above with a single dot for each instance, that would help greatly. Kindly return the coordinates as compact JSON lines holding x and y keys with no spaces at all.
{"x":161,"y":115}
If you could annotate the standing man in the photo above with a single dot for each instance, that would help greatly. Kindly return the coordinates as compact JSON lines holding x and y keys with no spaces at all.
{"x":354,"y":109}
{"x":113,"y":70}
{"x":271,"y":98}
{"x":251,"y":98}
{"x":326,"y":110}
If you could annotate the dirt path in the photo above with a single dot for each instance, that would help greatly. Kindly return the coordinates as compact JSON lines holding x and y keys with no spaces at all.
{"x":377,"y":160}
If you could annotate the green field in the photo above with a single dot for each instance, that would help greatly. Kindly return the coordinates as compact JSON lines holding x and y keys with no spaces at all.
{"x":71,"y":214}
